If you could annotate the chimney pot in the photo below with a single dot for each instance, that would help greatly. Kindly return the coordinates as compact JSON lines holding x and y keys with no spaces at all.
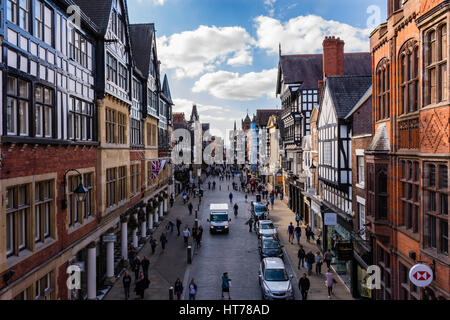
{"x":333,"y":56}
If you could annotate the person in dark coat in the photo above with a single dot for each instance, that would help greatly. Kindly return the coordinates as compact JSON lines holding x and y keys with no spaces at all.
{"x":136,"y":268}
{"x":178,"y":288}
{"x":250,"y":224}
{"x":301,"y":257}
{"x":163,"y":240}
{"x":141,"y":285}
{"x":190,"y":207}
{"x":145,"y":263}
{"x":179,"y":223}
{"x":126,"y":285}
{"x":303,"y":285}
{"x":153,"y":244}
{"x":171,"y":200}
{"x":310,"y":259}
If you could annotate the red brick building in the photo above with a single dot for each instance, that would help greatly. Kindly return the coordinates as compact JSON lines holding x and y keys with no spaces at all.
{"x":408,"y":159}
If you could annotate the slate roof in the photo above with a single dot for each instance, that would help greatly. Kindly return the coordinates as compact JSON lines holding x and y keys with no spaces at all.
{"x":308,"y":68}
{"x":263,"y":115}
{"x":98,"y":11}
{"x":346,"y":91}
{"x":141,"y":43}
{"x":166,"y":90}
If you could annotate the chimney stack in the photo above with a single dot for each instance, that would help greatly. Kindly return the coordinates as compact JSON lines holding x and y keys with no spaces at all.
{"x":333,"y":57}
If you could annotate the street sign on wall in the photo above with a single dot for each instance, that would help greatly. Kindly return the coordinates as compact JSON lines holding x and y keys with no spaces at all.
{"x":330,"y":219}
{"x":421,"y":275}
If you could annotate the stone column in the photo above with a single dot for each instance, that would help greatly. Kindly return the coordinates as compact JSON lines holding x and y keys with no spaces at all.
{"x":144,"y":223}
{"x":92,"y":271}
{"x":165,"y":205}
{"x":150,"y":221}
{"x":110,"y":258}
{"x":124,"y":238}
{"x":161,"y":209}
{"x":156,"y":215}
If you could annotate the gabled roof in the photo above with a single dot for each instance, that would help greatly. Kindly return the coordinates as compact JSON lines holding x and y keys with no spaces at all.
{"x":166,"y":90}
{"x":263,"y":115}
{"x":380,"y":141}
{"x":247,"y":119}
{"x":98,"y":11}
{"x":346,"y":91}
{"x":308,"y":68}
{"x":194,"y":113}
{"x":364,"y":98}
{"x":141,"y":44}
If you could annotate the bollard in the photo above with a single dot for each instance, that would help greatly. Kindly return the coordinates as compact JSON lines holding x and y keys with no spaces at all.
{"x":171,"y":293}
{"x":189,"y":255}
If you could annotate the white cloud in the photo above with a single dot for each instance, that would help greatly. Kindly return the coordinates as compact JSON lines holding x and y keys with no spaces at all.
{"x":191,"y":53}
{"x":304,"y":34}
{"x":185,"y":105}
{"x":270,"y":6}
{"x":231,"y":85}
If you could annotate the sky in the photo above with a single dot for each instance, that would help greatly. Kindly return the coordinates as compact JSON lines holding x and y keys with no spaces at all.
{"x":223,"y":54}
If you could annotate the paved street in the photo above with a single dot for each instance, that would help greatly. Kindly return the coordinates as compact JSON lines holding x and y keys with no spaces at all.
{"x":235,"y":253}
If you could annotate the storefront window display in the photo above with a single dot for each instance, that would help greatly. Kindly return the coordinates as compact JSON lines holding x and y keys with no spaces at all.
{"x":362,"y":277}
{"x":338,"y":237}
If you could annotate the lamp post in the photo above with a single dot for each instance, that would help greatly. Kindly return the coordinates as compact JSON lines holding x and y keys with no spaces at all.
{"x":80,"y":191}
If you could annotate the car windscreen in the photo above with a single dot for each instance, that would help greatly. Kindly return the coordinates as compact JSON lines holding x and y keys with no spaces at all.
{"x":219,"y":217}
{"x":267,"y":226}
{"x":276,"y":275}
{"x":260,"y":209}
{"x":270,"y":244}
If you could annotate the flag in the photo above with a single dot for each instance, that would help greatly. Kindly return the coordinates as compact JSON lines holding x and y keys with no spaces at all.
{"x":156,"y":167}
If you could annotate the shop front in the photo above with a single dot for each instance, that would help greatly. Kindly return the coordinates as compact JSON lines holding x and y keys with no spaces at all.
{"x":362,"y":255}
{"x":317,"y":223}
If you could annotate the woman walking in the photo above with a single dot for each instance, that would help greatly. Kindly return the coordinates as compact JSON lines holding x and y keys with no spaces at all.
{"x":178,"y":288}
{"x":226,"y":285}
{"x":329,"y":282}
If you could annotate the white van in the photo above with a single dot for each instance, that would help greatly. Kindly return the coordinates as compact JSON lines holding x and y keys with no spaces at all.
{"x":218,"y":218}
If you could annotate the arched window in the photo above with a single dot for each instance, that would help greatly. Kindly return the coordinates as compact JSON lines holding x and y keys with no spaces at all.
{"x":436,"y":72}
{"x":409,"y":58}
{"x":383,"y":91}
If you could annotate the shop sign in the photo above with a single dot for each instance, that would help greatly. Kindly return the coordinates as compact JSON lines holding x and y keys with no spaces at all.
{"x":421,"y":275}
{"x":109,"y":238}
{"x":330,"y":219}
{"x":344,"y":251}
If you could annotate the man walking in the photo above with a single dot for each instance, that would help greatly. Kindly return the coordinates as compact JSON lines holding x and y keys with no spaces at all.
{"x":231,"y":197}
{"x":303,"y":285}
{"x":250,"y":224}
{"x":328,"y":256}
{"x":178,"y":222}
{"x":153,"y":244}
{"x":291,"y":233}
{"x":126,"y":285}
{"x":298,"y":233}
{"x":145,"y":263}
{"x":301,"y":257}
{"x":226,"y":285}
{"x":319,"y":262}
{"x":192,"y":290}
{"x":136,"y":268}
{"x":190,"y":207}
{"x":309,"y":262}
{"x":163,"y":240}
{"x":186,"y":235}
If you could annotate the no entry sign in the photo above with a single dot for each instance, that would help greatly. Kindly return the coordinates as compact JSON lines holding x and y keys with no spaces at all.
{"x":421,"y":275}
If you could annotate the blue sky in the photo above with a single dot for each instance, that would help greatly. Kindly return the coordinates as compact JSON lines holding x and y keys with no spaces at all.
{"x":223,"y":54}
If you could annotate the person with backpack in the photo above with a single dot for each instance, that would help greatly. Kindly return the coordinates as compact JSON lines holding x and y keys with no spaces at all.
{"x":291,"y":233}
{"x":328,"y":257}
{"x":226,"y":285}
{"x":192,"y":290}
{"x":303,"y":285}
{"x":301,"y":257}
{"x":126,"y":285}
{"x":190,"y":207}
{"x":178,"y":288}
{"x":310,"y":259}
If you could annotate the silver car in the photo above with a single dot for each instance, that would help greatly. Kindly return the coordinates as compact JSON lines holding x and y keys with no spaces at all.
{"x":274,"y":281}
{"x":266,"y":228}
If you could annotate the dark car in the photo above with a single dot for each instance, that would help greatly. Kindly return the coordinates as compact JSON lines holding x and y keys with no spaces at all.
{"x":270,"y":247}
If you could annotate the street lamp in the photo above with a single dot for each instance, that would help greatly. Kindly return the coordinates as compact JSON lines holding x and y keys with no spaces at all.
{"x":80,"y":192}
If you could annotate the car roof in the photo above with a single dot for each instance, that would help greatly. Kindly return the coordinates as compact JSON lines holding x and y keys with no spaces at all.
{"x":273,"y":263}
{"x":271,"y":237}
{"x":259,"y":204}
{"x":265,"y":221}
{"x":218,"y":206}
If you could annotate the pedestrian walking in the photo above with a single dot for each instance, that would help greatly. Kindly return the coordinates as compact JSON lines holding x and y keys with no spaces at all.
{"x":226,"y":285}
{"x":246,"y":197}
{"x":190,"y":207}
{"x":141,"y":285}
{"x":319,"y":261}
{"x":178,"y":223}
{"x":186,"y":235}
{"x":126,"y":285}
{"x":330,"y":282}
{"x":250,"y":224}
{"x":291,"y":233}
{"x":137,"y":268}
{"x":131,"y":255}
{"x":297,"y":219}
{"x":172,"y":225}
{"x":145,"y":263}
{"x":178,"y":288}
{"x":231,"y":197}
{"x":301,"y":257}
{"x":308,"y":232}
{"x":272,"y":200}
{"x":209,"y":185}
{"x":309,"y":259}
{"x":199,"y":236}
{"x":236,"y":208}
{"x":163,"y":240}
{"x":298,"y":233}
{"x":153,"y":244}
{"x":328,"y":257}
{"x":192,"y":290}
{"x":303,"y":285}
{"x":171,"y":200}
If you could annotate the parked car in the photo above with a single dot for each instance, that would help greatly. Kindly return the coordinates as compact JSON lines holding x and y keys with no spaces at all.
{"x":266,"y":228}
{"x":274,"y":280}
{"x":259,"y":209}
{"x":270,"y":247}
